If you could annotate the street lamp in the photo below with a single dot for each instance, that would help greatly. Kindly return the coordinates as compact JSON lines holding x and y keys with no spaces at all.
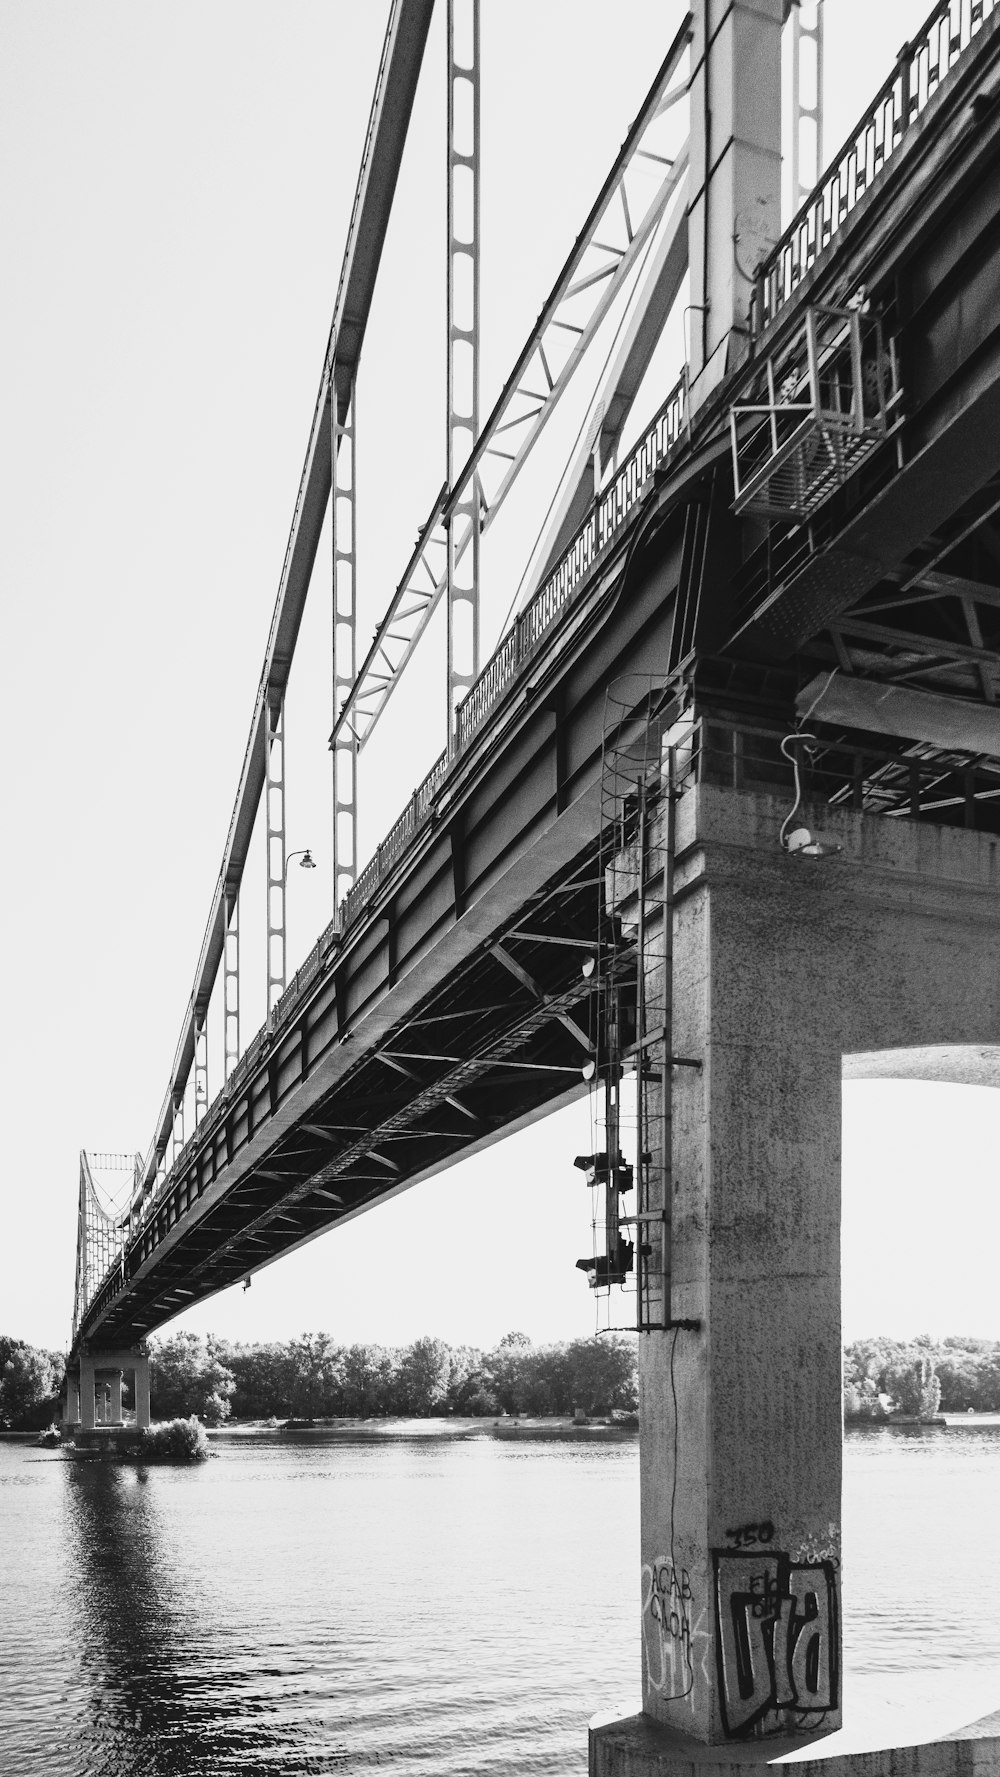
{"x":307,"y":861}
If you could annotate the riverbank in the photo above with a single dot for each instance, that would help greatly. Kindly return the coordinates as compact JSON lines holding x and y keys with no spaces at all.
{"x":453,"y":1426}
{"x":940,"y":1422}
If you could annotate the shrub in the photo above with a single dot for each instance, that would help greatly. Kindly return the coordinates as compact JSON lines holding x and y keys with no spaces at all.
{"x":176,"y":1440}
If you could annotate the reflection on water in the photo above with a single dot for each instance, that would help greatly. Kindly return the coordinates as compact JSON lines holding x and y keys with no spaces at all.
{"x":922,"y":1548}
{"x":421,"y":1605}
{"x":447,"y":1606}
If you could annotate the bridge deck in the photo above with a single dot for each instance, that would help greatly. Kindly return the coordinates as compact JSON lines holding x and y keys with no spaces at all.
{"x":430,"y":1026}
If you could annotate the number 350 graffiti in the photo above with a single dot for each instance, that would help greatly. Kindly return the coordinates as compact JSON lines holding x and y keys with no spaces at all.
{"x":776,"y":1639}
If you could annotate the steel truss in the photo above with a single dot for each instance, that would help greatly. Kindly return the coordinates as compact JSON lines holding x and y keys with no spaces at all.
{"x":631,"y":202}
{"x":231,"y":982}
{"x":807,"y":98}
{"x":344,"y":522}
{"x":274,"y":810}
{"x":200,"y":1069}
{"x":462,"y":522}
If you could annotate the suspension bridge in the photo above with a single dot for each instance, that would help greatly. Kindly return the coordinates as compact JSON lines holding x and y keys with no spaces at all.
{"x":719,"y":811}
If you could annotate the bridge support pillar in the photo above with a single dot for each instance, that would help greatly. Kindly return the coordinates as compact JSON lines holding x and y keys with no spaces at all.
{"x":782,"y":967}
{"x":71,"y":1413}
{"x":141,"y":1369}
{"x":100,"y":1379}
{"x":88,"y":1401}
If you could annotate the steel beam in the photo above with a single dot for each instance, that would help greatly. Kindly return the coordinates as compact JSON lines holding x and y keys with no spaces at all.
{"x":395,"y":88}
{"x":952,"y":723}
{"x":274,"y":813}
{"x":463,"y":521}
{"x":177,"y":1127}
{"x":735,"y":212}
{"x":200,"y":1069}
{"x":231,"y":982}
{"x":652,"y":302}
{"x":344,"y":747}
{"x":806,"y":149}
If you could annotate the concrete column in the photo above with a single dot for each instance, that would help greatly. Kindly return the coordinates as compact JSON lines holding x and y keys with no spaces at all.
{"x":734,"y":216}
{"x":72,"y":1409}
{"x":115,"y":1414}
{"x":88,"y":1404}
{"x":783,"y":967}
{"x":141,"y":1364}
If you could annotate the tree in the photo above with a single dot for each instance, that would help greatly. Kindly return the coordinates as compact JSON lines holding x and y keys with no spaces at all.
{"x":424,"y":1372}
{"x":914,"y":1386}
{"x":509,"y":1369}
{"x":186,"y":1377}
{"x":264,"y":1377}
{"x":367,"y":1380}
{"x":603,"y":1374}
{"x":29,"y":1382}
{"x":317,"y":1365}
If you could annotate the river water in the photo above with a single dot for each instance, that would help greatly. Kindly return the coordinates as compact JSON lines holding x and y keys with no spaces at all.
{"x":422,"y":1604}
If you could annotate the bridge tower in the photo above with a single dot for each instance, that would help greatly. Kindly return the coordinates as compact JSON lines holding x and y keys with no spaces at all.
{"x":734,"y":212}
{"x":92,"y":1391}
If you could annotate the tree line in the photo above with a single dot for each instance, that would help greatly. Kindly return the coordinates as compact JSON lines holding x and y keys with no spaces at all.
{"x":921,"y":1376}
{"x":29,"y":1383}
{"x":312,"y":1377}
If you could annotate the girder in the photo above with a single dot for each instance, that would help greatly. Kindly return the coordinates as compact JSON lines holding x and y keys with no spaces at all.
{"x":373,"y":985}
{"x":463,"y":520}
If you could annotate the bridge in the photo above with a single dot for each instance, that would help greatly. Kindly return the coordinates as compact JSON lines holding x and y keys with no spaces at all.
{"x":720,"y":811}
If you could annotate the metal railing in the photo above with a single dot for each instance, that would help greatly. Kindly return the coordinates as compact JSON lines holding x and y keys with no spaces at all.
{"x":922,"y":66}
{"x":610,"y":511}
{"x":602,"y":525}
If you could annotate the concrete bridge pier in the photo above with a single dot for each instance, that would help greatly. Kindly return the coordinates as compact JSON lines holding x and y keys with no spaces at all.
{"x":98,"y":1381}
{"x":783,"y":967}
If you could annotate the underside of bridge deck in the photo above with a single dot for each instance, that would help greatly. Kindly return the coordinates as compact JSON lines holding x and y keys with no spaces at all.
{"x":456,"y":1010}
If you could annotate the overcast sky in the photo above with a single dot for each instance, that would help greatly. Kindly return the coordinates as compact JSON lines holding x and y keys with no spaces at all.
{"x":175,"y":186}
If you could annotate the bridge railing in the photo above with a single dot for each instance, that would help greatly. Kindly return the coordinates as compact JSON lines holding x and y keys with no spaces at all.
{"x":608,"y":514}
{"x":922,"y":65}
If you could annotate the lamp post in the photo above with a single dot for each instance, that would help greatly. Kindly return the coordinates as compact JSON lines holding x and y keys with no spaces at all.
{"x":276,"y":934}
{"x":308,"y":861}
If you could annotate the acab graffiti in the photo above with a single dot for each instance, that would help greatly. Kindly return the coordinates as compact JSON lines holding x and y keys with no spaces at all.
{"x":675,"y":1640}
{"x":776,"y":1641}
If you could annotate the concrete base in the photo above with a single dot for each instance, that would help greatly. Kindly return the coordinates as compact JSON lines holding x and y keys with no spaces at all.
{"x":109,"y":1439}
{"x":897,"y":1729}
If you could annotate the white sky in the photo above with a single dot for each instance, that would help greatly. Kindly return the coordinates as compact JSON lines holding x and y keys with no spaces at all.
{"x":175,"y":185}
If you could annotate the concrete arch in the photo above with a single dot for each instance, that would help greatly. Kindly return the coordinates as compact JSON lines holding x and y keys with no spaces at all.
{"x":954,"y":1063}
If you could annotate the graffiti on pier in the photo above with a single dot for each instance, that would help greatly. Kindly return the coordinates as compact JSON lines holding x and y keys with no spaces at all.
{"x":675,"y":1639}
{"x":776,"y":1641}
{"x":749,"y":1534}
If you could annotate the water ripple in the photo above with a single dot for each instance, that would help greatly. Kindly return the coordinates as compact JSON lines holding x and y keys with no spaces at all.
{"x":447,"y":1607}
